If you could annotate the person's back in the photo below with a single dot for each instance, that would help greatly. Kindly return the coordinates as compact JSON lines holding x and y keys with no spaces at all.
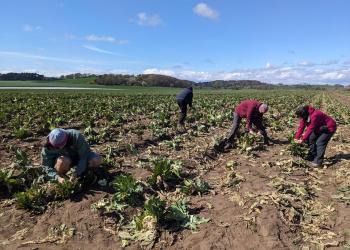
{"x":253,"y":111}
{"x":185,"y":96}
{"x":246,"y":107}
{"x":74,"y":141}
{"x":321,"y":119}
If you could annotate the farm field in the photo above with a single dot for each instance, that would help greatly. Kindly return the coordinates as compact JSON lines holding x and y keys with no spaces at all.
{"x":164,"y":189}
{"x":62,"y":82}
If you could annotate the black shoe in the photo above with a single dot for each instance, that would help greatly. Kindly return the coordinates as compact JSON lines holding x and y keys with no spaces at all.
{"x":309,"y":158}
{"x":228,"y":145}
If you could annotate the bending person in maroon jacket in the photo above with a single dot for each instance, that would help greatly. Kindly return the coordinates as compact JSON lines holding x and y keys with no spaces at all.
{"x":320,"y":129}
{"x":253,"y":111}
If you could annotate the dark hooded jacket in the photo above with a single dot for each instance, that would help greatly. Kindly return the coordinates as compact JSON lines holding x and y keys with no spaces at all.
{"x":185,"y":96}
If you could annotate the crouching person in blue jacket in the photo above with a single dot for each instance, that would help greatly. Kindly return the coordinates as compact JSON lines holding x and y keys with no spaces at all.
{"x":65,"y":149}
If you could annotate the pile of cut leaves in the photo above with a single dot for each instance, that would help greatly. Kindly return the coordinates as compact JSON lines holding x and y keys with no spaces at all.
{"x":298,"y":210}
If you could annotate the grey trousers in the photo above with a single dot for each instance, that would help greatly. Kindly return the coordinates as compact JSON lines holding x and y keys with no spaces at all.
{"x":235,"y":126}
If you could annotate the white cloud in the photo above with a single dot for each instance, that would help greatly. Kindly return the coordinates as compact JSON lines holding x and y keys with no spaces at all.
{"x":83,"y":70}
{"x":270,"y":66}
{"x":119,"y":71}
{"x":312,"y":64}
{"x":30,"y":71}
{"x":100,"y":38}
{"x":160,"y":72}
{"x":46,"y":58}
{"x":336,"y":75}
{"x":30,"y":28}
{"x":143,"y":19}
{"x":204,"y":10}
{"x":93,"y":48}
{"x":94,"y":38}
{"x":286,"y":75}
{"x":306,"y":64}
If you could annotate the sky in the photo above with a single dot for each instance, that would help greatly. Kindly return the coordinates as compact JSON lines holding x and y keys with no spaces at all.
{"x":275,"y":41}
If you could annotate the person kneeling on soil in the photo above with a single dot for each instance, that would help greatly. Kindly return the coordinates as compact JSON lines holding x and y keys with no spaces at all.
{"x":320,"y":129}
{"x":253,"y":111}
{"x":183,"y":99}
{"x":63,"y":150}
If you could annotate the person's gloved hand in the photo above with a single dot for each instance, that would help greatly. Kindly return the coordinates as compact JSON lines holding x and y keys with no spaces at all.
{"x":60,"y":179}
{"x":252,"y":131}
{"x":299,"y":141}
{"x":73,"y":178}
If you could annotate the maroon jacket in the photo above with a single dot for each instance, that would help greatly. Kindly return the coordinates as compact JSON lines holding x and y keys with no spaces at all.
{"x":317,"y":120}
{"x":250,"y":109}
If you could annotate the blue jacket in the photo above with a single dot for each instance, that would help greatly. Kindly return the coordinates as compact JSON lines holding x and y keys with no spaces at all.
{"x":186,"y":96}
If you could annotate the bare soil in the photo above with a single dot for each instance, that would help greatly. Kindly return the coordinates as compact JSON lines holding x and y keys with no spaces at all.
{"x":231,"y":225}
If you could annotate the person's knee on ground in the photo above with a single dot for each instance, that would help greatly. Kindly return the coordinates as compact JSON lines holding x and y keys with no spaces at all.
{"x":95,"y":162}
{"x":63,"y":164}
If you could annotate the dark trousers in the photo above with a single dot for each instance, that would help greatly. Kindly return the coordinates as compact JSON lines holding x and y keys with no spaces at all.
{"x":235,"y":127}
{"x":318,"y":144}
{"x":183,"y":111}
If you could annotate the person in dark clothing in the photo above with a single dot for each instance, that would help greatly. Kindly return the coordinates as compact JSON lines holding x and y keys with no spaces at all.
{"x":320,"y":129}
{"x":183,"y":99}
{"x":253,"y":111}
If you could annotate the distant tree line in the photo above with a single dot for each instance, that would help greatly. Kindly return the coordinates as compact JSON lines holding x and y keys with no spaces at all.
{"x":21,"y":77}
{"x":163,"y":81}
{"x":142,"y":80}
{"x":313,"y":86}
{"x":76,"y":76}
{"x":236,"y":84}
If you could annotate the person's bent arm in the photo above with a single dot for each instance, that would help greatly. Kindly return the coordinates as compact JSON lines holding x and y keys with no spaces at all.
{"x":250,"y":113}
{"x":310,"y":129}
{"x":300,"y":129}
{"x":48,"y":163}
{"x":83,"y":151}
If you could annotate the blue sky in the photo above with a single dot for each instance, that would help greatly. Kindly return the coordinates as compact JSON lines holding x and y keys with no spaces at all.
{"x":288,"y":41}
